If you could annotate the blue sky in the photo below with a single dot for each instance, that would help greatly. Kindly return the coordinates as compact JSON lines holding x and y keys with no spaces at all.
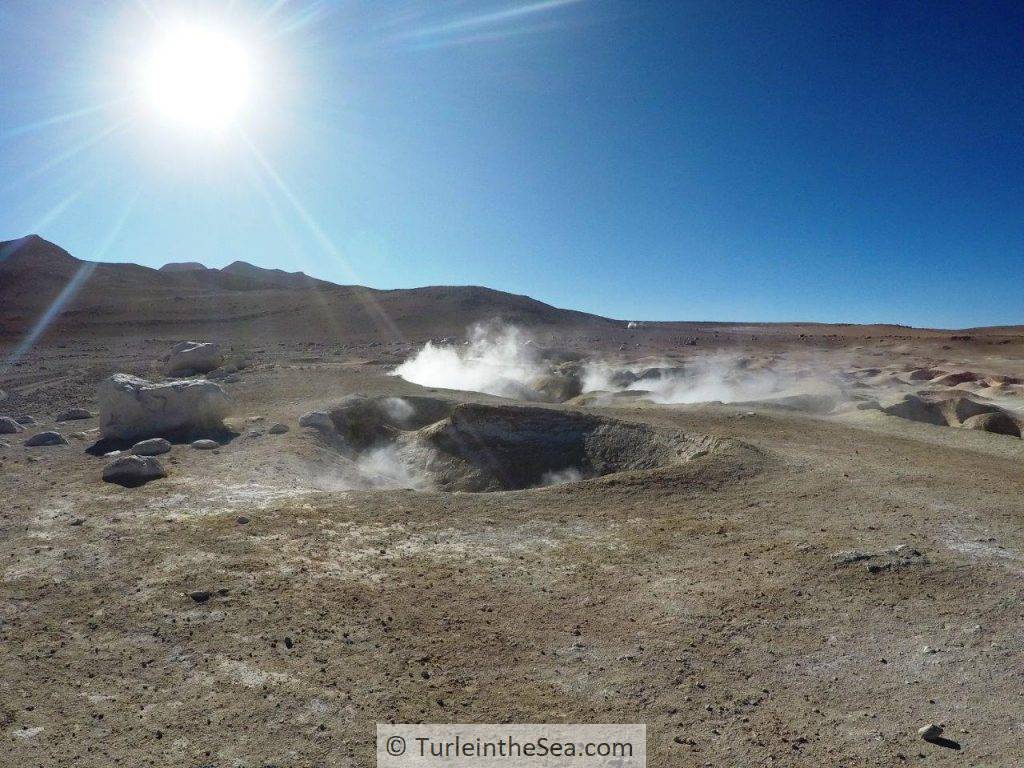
{"x":846,"y":162}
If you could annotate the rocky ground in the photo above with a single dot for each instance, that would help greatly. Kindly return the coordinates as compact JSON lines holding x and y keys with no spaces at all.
{"x":811,"y":590}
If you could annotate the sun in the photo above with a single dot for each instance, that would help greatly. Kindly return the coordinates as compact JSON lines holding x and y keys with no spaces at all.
{"x":198,"y":78}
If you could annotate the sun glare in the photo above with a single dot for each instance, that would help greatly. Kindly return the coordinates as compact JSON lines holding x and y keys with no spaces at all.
{"x":198,"y":78}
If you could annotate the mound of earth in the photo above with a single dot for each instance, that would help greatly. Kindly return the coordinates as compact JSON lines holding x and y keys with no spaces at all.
{"x":950,"y":408}
{"x":956,"y":377}
{"x":1001,"y":423}
{"x":433,"y":443}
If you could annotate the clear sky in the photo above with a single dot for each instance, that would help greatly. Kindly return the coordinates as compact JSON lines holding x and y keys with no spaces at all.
{"x":846,"y":161}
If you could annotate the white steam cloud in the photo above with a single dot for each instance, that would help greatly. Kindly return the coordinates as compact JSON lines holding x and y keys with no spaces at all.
{"x":496,"y":360}
{"x":504,"y":361}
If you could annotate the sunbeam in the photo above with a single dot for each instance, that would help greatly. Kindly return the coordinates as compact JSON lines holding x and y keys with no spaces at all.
{"x":68,"y":292}
{"x":48,"y":122}
{"x":487,"y":19}
{"x":324,"y":241}
{"x":70,"y":153}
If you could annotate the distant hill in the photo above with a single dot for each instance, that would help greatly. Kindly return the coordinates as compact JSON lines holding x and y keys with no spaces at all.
{"x":182,"y":266}
{"x":243,"y":300}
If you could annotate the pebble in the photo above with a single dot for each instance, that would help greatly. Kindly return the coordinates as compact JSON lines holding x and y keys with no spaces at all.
{"x":153,"y":447}
{"x":206,"y":445}
{"x":930,"y":732}
{"x":278,"y":429}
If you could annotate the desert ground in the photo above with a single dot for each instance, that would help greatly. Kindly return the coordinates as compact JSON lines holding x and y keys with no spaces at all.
{"x":810,"y":591}
{"x":801,"y":569}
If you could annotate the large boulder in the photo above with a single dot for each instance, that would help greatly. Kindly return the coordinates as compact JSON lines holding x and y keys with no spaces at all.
{"x":132,"y":408}
{"x":132,"y":471}
{"x":191,"y":357}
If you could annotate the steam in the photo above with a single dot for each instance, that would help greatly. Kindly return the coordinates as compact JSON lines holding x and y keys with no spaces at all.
{"x":497,"y":360}
{"x":503,"y":360}
{"x":386,"y":468}
{"x":561,"y":476}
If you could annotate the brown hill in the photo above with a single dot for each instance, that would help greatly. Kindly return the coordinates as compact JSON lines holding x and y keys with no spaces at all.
{"x":242,"y":300}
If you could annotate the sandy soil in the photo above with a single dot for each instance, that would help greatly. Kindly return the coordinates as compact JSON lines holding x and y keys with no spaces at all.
{"x":810,"y":595}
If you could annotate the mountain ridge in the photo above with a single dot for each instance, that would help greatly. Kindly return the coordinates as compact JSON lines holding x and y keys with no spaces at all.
{"x":242,"y":298}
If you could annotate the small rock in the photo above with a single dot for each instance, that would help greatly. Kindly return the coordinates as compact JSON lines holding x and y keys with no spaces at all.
{"x":928,"y":650}
{"x":133,"y":471}
{"x":152,"y":447}
{"x":74,"y":414}
{"x":242,"y":520}
{"x":930,"y":732}
{"x":317,"y":420}
{"x":206,"y":445}
{"x":25,"y":420}
{"x":278,"y":429}
{"x":201,"y":595}
{"x":46,"y":438}
{"x":9,"y":426}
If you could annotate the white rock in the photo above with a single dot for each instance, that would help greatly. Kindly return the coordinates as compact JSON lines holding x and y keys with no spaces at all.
{"x":133,"y":470}
{"x":190,"y":357}
{"x":152,"y":447}
{"x":133,"y":408}
{"x":206,"y":445}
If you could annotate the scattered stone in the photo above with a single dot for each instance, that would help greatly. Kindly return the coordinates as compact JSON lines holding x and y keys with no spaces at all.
{"x":192,"y":357}
{"x":132,"y":471}
{"x":152,"y":447}
{"x":316,"y":420}
{"x":133,"y":408}
{"x":46,"y":438}
{"x":278,"y":429}
{"x":9,"y":426}
{"x":242,"y":520}
{"x":928,"y":650}
{"x":74,"y":414}
{"x":205,"y":445}
{"x":201,"y":595}
{"x":930,"y":732}
{"x":25,"y":420}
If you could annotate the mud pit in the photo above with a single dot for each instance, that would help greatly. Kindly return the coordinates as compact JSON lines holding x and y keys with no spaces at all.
{"x":432,"y":444}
